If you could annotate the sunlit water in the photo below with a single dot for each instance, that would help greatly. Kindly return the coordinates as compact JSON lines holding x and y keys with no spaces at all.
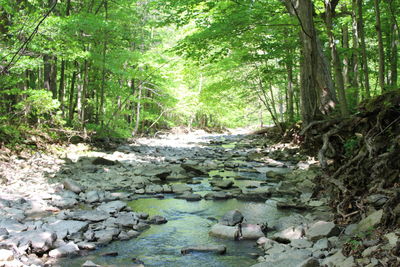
{"x":188,"y":225}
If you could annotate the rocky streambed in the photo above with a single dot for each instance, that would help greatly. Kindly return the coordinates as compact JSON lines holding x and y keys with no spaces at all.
{"x":194,"y":199}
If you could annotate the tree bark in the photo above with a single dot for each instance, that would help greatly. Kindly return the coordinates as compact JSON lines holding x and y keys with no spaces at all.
{"x":355,"y":78}
{"x":394,"y":43}
{"x":71,"y":98}
{"x":378,"y":28}
{"x":317,"y":91}
{"x":339,"y":80}
{"x":61,"y":89}
{"x":50,"y":74}
{"x":364,"y":59}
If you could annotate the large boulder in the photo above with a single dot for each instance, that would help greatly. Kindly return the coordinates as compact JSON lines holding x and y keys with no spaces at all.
{"x":126,"y":219}
{"x":106,"y":236}
{"x":232,"y":218}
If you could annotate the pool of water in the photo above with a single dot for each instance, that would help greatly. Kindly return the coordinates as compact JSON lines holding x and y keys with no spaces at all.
{"x":188,"y":225}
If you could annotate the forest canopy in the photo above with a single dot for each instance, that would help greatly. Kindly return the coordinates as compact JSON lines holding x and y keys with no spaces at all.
{"x":124,"y":67}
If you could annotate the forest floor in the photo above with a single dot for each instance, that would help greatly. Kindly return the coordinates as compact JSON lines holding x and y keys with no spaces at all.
{"x":75,"y":199}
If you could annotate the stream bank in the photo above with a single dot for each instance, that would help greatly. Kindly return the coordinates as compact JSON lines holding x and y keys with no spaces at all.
{"x":145,"y":202}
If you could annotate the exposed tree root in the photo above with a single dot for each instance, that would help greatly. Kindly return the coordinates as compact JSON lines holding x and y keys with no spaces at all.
{"x":361,"y":157}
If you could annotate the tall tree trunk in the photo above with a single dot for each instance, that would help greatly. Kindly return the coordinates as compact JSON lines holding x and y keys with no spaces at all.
{"x":364,"y":59}
{"x":355,"y":56}
{"x":138,"y":106}
{"x":71,"y":98}
{"x":61,"y":89}
{"x":394,"y":43}
{"x":317,"y":91}
{"x":290,"y":93}
{"x":50,"y":74}
{"x":339,"y":80}
{"x":346,"y":60}
{"x":378,"y":28}
{"x":103,"y":74}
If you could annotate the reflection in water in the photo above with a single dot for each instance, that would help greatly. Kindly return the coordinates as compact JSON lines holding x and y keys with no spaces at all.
{"x":188,"y":225}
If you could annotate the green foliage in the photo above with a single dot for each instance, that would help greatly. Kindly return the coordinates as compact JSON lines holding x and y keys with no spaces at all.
{"x":350,"y":146}
{"x":38,"y":105}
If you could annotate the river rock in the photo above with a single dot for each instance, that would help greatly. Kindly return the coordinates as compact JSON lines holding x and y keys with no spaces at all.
{"x":12,"y":225}
{"x":224,"y":184}
{"x":66,"y":250}
{"x":103,"y":161}
{"x":180,"y":188}
{"x":39,"y":241}
{"x":6,"y":255}
{"x":64,"y":203}
{"x":157,"y":219}
{"x":290,"y":205}
{"x":322,"y":229}
{"x":154,"y":189}
{"x":370,"y":222}
{"x":301,"y":243}
{"x":224,"y":231}
{"x":219,"y":195}
{"x":106,"y":236}
{"x":62,"y":228}
{"x":86,"y":245}
{"x":72,"y":186}
{"x":190,"y":196}
{"x":220,"y":249}
{"x":92,"y":197}
{"x":232,"y":218}
{"x":194,"y":166}
{"x":112,"y":206}
{"x":251,"y":232}
{"x":126,"y":219}
{"x":89,"y":215}
{"x":291,"y":233}
{"x":90,"y":264}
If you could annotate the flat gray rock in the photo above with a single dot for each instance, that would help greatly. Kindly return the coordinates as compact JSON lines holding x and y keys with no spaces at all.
{"x":12,"y":225}
{"x":322,"y":229}
{"x":126,"y":219}
{"x":67,"y":227}
{"x":66,"y":250}
{"x":112,"y":206}
{"x":89,"y":215}
{"x":106,"y":236}
{"x":39,"y":241}
{"x":180,"y":188}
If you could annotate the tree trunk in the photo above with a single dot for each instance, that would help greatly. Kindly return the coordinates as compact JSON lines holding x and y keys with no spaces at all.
{"x":137,"y":121}
{"x":317,"y":91}
{"x":103,"y":75}
{"x":50,"y":74}
{"x":339,"y":80}
{"x":71,"y":97}
{"x":61,"y":89}
{"x":364,"y":59}
{"x":394,"y":42}
{"x":355,"y":78}
{"x":289,"y":69}
{"x":381,"y":74}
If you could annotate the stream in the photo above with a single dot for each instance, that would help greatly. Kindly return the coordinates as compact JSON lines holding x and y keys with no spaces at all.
{"x":189,"y":222}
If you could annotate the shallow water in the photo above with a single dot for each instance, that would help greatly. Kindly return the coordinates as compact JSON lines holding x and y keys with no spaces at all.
{"x":189,"y":224}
